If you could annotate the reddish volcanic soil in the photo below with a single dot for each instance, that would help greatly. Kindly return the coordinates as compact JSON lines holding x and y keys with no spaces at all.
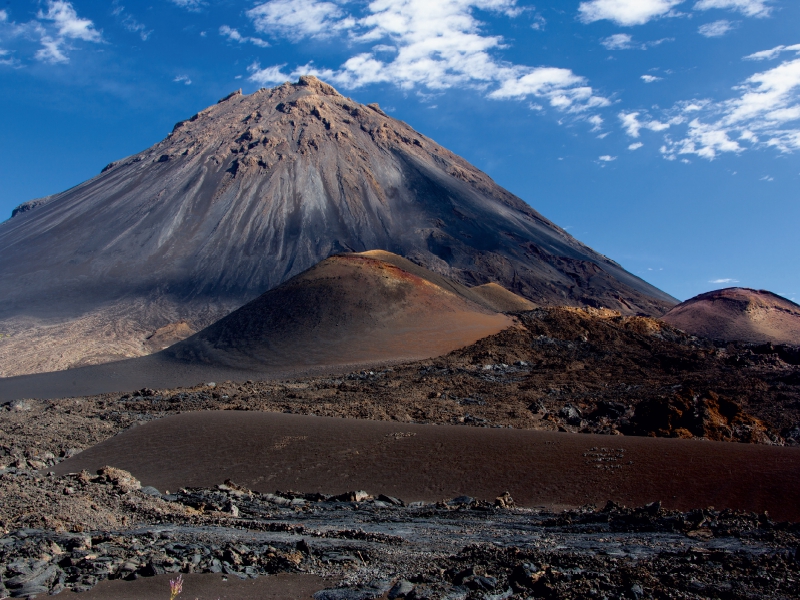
{"x":740,"y":314}
{"x":269,"y":451}
{"x":207,"y":586}
{"x":347,"y":309}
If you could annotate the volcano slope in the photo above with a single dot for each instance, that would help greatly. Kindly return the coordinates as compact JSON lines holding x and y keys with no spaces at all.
{"x":252,"y":191}
{"x":350,"y":309}
{"x":741,"y":314}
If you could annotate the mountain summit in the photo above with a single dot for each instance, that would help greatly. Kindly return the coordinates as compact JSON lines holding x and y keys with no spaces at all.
{"x":254,"y":190}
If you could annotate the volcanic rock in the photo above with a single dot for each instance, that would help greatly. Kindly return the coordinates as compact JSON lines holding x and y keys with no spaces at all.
{"x":252,"y":191}
{"x":740,"y":314}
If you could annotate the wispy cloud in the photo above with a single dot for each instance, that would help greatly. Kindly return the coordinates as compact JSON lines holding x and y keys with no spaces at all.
{"x":55,"y":27}
{"x":419,"y":44}
{"x":184,"y":79}
{"x":765,"y":113}
{"x":639,"y":12}
{"x":129,"y":22}
{"x":67,"y":25}
{"x":624,"y":41}
{"x":772,"y":53}
{"x":725,"y":280}
{"x":298,"y":19}
{"x":192,"y":5}
{"x":233,"y":35}
{"x":618,"y":41}
{"x":6,"y":59}
{"x":717,"y":28}
{"x":633,"y":125}
{"x":650,"y":78}
{"x":268,"y":75}
{"x":635,"y":146}
{"x":749,"y":8}
{"x":607,"y":158}
{"x":625,"y":12}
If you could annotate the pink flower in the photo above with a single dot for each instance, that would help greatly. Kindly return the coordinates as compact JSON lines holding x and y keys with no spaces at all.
{"x":175,"y":587}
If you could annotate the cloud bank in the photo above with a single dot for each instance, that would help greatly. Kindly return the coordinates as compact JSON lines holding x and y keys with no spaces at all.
{"x":764,"y":112}
{"x":418,"y":44}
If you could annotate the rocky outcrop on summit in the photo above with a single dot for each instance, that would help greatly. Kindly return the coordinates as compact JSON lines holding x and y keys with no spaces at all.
{"x":740,"y":314}
{"x":257,"y":188}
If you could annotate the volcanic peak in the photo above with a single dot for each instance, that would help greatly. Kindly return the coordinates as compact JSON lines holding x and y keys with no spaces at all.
{"x":254,"y":190}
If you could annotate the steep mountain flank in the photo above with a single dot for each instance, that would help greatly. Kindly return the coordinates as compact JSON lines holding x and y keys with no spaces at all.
{"x":256,"y":189}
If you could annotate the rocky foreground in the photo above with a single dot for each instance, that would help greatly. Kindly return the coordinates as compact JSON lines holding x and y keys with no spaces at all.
{"x":459,"y":548}
{"x":559,"y":369}
{"x":576,"y":370}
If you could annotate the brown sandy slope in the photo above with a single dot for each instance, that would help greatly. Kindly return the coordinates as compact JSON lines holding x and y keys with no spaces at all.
{"x":254,"y":190}
{"x":739,"y":314}
{"x":502,"y":299}
{"x":348,"y":309}
{"x":269,"y":451}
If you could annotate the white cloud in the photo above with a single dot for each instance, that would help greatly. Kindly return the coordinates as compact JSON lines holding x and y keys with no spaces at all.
{"x":193,"y":5}
{"x":268,"y":75}
{"x":764,"y":113}
{"x":435,"y":45}
{"x":633,"y":126}
{"x":233,"y":35}
{"x":68,"y":23}
{"x":625,"y":12}
{"x":539,"y":23}
{"x":773,"y":52}
{"x":563,"y":89}
{"x":717,"y":28}
{"x":129,"y":22}
{"x":767,"y":178}
{"x":618,"y":41}
{"x":184,"y":79}
{"x":51,"y":51}
{"x":597,"y":124}
{"x":6,"y":59}
{"x":607,"y":158}
{"x":635,"y":146}
{"x":55,"y":28}
{"x":299,"y":18}
{"x":704,"y":140}
{"x":726,"y":280}
{"x":771,"y":96}
{"x":749,"y":8}
{"x":650,"y":78}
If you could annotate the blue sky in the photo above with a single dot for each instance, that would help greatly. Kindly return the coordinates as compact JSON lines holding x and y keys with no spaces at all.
{"x":663,"y":133}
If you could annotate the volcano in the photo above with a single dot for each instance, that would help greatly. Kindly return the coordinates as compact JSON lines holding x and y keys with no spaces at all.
{"x":247,"y":194}
{"x":740,"y":314}
{"x":350,"y":310}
